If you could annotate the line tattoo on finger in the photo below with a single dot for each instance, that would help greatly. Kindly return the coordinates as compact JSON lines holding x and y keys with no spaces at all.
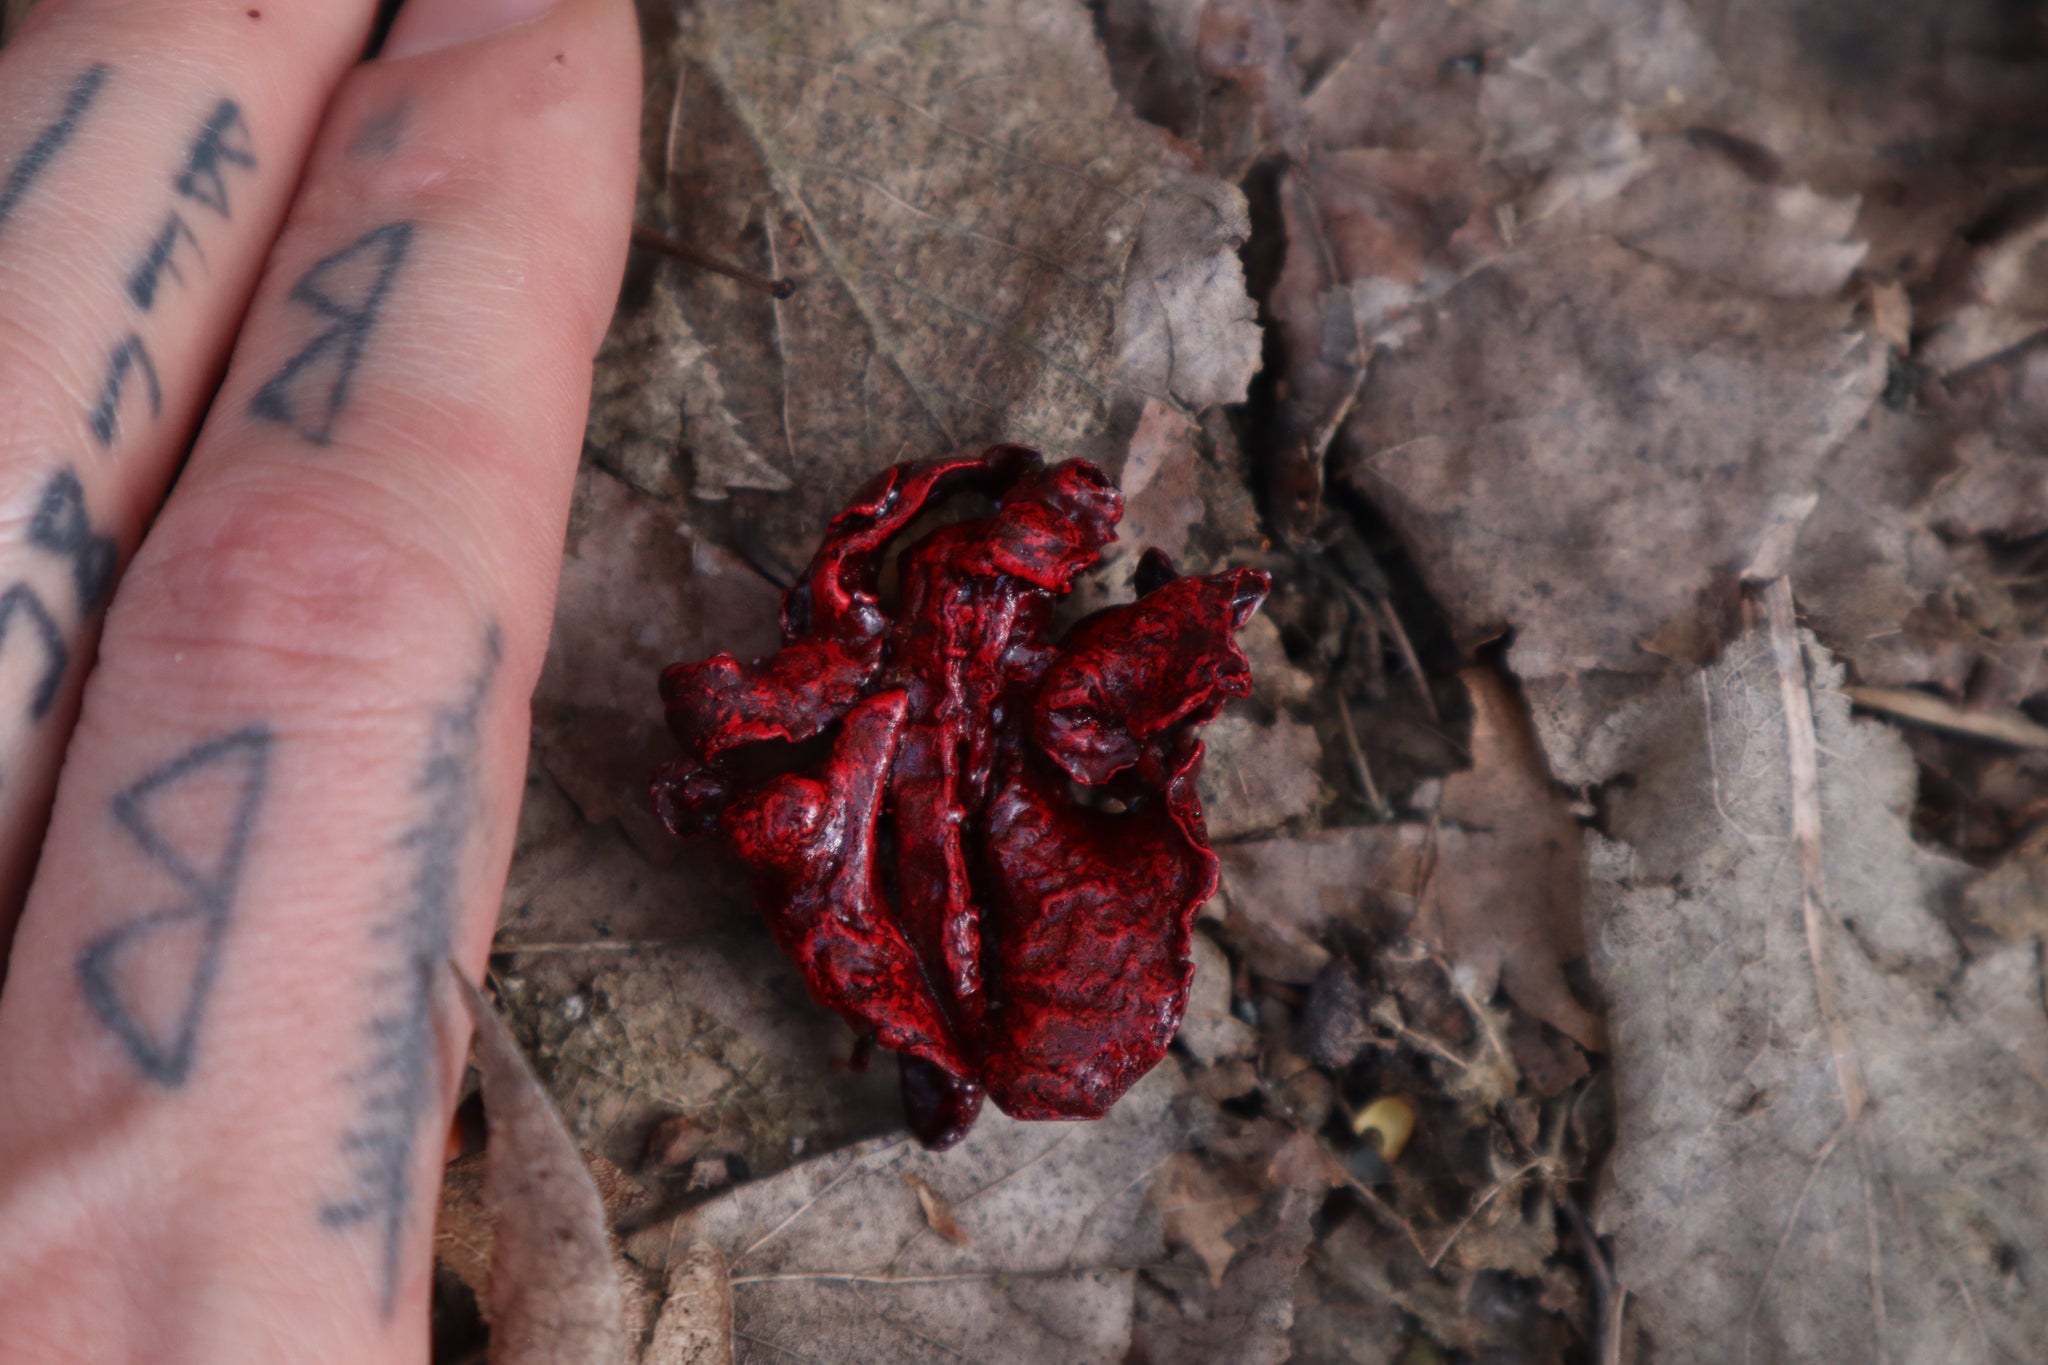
{"x":400,"y":1082}
{"x":347,"y":289}
{"x":43,"y":151}
{"x":160,"y":261}
{"x":129,"y":354}
{"x":149,"y":978}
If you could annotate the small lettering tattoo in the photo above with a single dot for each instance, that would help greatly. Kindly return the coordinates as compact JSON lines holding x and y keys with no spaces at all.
{"x":143,"y":280}
{"x":61,"y":526}
{"x":51,"y":140}
{"x":106,"y":413}
{"x":223,"y":141}
{"x":347,"y":289}
{"x":401,"y":1080}
{"x":159,"y":1029}
{"x":22,"y":600}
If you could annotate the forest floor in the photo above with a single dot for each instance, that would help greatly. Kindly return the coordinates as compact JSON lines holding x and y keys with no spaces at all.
{"x":1634,"y":858}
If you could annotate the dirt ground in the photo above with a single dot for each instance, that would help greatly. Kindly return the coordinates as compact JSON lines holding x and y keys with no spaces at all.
{"x":1634,"y":859}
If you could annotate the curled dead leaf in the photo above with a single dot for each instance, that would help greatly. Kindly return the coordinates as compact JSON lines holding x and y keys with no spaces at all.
{"x":553,"y":1293}
{"x":1503,"y":895}
{"x":695,"y":1324}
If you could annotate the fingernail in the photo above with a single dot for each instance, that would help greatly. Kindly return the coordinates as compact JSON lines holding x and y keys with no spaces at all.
{"x":423,"y":25}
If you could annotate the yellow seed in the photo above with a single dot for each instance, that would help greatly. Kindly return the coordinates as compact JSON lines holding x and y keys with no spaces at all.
{"x":1389,"y":1117}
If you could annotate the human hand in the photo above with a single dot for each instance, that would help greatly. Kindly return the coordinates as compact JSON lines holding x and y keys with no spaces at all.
{"x":285,"y":788}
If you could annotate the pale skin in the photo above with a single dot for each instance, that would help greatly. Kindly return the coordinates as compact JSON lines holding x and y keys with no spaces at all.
{"x":262,"y":735}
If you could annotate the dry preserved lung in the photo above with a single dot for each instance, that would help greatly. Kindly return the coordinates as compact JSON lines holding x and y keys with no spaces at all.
{"x":979,"y":844}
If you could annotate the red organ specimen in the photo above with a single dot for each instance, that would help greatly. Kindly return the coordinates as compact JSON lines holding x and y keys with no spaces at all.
{"x":993,"y":860}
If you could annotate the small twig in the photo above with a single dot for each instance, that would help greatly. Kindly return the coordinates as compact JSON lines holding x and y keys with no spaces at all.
{"x":680,"y":250}
{"x":950,"y":1277}
{"x":1409,"y":659}
{"x":1924,"y":708}
{"x":1421,"y":1042}
{"x":1767,"y":1277}
{"x":1803,"y":757}
{"x":1609,"y":1298}
{"x":1361,"y":771}
{"x":1384,"y":616}
{"x":1804,"y":761}
{"x":1378,"y":1205}
{"x":1326,"y":431}
{"x":1481,"y":1015}
{"x":1433,"y":1261}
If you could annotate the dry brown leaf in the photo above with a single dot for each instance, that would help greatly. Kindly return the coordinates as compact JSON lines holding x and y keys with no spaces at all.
{"x":462,"y":1226}
{"x":553,"y":1294}
{"x":1209,"y":1031}
{"x":1162,"y":496}
{"x":645,"y":993}
{"x":1284,"y":894}
{"x":834,"y":1260}
{"x":1752,"y":1220}
{"x":2011,"y":899}
{"x":2004,"y":303}
{"x":974,"y":266}
{"x":1997,"y":487}
{"x":695,"y":1325}
{"x":638,"y":593}
{"x":465,"y":1226}
{"x":938,"y":1214}
{"x":1698,"y":208}
{"x":1258,"y":775}
{"x":1915,"y":562}
{"x":1245,"y":1220}
{"x":1199,"y":1208}
{"x":654,"y":380}
{"x":1602,"y":489}
{"x":1503,"y":893}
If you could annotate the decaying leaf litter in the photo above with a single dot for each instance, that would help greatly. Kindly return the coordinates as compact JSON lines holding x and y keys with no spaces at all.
{"x":1616,"y":391}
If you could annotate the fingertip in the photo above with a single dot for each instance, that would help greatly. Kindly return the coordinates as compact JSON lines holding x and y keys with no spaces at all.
{"x":426,"y":25}
{"x":543,"y":110}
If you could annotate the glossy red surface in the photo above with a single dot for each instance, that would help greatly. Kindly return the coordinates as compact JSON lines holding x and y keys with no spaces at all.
{"x":995,"y":869}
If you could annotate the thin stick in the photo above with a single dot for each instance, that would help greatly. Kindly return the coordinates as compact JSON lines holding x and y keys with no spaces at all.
{"x":680,"y":250}
{"x":1804,"y":760}
{"x":1409,"y":659}
{"x":1361,"y":772}
{"x":1433,"y":1261}
{"x":1609,"y":1298}
{"x":594,"y":945}
{"x":1384,"y":616}
{"x":1378,"y":1205}
{"x":1924,"y":708}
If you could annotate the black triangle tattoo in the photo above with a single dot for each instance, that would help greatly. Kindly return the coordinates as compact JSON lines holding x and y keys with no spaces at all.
{"x":206,"y":874}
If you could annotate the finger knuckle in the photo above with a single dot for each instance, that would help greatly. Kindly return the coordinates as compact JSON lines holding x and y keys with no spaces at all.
{"x":315,"y":598}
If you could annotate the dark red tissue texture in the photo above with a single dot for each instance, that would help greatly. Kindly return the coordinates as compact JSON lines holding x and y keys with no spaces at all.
{"x":995,"y":869}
